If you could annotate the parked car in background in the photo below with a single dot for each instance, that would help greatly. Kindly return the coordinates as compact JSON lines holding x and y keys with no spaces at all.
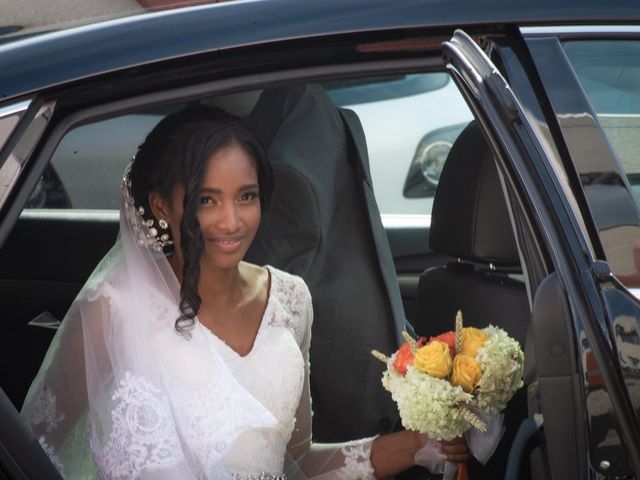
{"x":553,"y":88}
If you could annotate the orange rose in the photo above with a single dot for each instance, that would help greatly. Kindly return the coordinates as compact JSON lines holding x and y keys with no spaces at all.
{"x":404,"y":357}
{"x":450,"y":339}
{"x":434,"y":359}
{"x":472,"y":340}
{"x":466,"y":372}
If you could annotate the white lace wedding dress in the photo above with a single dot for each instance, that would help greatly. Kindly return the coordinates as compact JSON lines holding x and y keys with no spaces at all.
{"x":202,"y":411}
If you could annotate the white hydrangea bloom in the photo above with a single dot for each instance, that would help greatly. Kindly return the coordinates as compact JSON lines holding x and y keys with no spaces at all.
{"x":502,"y":361}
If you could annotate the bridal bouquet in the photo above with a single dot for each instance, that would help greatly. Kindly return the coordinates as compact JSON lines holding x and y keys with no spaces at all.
{"x":455,"y":382}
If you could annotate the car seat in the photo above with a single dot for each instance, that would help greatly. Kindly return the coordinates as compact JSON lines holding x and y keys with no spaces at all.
{"x":323,"y":224}
{"x":470,"y":223}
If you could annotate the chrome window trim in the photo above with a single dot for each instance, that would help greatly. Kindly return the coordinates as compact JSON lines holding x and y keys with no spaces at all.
{"x":567,"y":31}
{"x":70,"y":214}
{"x":10,"y":116}
{"x":13,"y":165}
{"x":14,"y":108}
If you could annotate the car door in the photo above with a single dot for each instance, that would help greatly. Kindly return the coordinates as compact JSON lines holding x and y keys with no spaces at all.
{"x":574,"y":323}
{"x":592,"y":92}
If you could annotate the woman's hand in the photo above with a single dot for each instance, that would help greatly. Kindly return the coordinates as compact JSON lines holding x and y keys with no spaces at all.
{"x":433,"y":453}
{"x":456,"y":450}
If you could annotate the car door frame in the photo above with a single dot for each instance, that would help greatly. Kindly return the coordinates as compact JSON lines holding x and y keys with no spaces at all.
{"x":589,"y":151}
{"x":529,"y":169}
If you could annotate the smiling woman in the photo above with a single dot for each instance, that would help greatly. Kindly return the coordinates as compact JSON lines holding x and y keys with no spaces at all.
{"x":229,"y":212}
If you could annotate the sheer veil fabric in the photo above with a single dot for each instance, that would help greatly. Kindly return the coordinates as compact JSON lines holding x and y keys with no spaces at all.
{"x":121,"y":394}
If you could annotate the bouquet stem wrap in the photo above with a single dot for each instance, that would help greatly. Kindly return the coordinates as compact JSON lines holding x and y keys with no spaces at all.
{"x":481,"y":444}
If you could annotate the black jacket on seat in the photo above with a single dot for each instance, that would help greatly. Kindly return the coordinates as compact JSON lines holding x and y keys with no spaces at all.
{"x":324,"y":225}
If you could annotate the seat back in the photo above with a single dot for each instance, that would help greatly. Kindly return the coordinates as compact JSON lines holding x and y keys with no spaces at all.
{"x":323,"y":225}
{"x":470,"y":223}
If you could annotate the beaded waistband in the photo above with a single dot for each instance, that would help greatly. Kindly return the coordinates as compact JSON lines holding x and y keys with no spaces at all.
{"x":259,"y":476}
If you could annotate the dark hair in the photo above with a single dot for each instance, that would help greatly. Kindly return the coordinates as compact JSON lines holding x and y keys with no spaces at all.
{"x":176,"y":152}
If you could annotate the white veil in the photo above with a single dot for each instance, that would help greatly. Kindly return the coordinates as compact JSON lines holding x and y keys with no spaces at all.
{"x":120,"y":390}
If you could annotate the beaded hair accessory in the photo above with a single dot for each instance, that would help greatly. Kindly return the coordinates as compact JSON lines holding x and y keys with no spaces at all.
{"x":143,"y":230}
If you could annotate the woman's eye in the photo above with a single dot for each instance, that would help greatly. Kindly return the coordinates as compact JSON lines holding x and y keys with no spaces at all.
{"x":206,"y":200}
{"x":248,"y":196}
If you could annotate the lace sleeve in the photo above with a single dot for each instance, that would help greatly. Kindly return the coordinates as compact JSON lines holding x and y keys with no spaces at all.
{"x":346,"y":461}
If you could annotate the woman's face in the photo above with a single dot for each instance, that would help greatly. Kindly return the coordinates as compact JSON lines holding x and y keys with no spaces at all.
{"x":229,"y":210}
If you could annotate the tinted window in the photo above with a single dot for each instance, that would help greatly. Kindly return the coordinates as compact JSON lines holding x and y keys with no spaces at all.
{"x":609,"y":73}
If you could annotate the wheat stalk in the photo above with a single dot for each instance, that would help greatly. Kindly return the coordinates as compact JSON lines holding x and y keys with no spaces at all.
{"x":459,"y":331}
{"x":409,"y":339}
{"x":380,"y":356}
{"x":472,"y":418}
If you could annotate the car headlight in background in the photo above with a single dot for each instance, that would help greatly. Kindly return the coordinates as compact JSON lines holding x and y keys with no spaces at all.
{"x":428,"y":161}
{"x":431,"y":159}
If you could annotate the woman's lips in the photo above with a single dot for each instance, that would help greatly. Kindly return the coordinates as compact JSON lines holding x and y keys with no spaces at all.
{"x":226,"y":244}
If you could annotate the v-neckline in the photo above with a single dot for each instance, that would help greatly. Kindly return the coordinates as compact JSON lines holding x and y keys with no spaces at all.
{"x":267,"y":306}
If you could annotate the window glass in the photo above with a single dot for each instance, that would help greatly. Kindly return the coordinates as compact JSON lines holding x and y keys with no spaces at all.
{"x":410,"y":127}
{"x":86,"y":169}
{"x":609,"y":72}
{"x":410,"y":122}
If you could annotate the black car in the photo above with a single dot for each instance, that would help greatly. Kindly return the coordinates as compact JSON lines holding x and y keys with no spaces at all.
{"x":535,"y":223}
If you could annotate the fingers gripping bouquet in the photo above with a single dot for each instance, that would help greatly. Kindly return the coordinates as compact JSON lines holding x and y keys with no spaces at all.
{"x":457,"y":382}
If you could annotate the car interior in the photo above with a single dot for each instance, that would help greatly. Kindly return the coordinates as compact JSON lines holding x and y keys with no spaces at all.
{"x":325,"y":226}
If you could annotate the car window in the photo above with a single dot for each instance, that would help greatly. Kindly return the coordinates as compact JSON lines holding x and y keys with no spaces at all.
{"x":609,"y":73}
{"x":408,"y":134}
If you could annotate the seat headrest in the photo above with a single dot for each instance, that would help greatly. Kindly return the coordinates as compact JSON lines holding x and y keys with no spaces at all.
{"x":470,"y":219}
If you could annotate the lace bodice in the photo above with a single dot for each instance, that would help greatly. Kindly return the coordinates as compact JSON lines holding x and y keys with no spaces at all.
{"x":276,"y":355}
{"x":235,"y":415}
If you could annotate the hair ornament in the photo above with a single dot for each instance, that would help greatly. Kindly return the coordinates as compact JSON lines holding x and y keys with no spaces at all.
{"x":146,"y":235}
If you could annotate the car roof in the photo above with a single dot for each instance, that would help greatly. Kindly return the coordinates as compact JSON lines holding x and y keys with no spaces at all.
{"x":55,"y":58}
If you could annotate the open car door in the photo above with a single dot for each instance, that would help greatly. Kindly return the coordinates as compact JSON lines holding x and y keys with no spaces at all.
{"x":575,"y":298}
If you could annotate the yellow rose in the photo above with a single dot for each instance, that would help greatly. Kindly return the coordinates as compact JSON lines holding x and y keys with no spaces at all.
{"x":472,"y":340}
{"x":466,"y":372}
{"x":434,"y":359}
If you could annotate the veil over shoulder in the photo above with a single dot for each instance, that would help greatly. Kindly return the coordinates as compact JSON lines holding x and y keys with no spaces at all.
{"x":121,"y":394}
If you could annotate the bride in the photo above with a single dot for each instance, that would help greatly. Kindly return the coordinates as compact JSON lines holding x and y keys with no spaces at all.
{"x":178,"y":360}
